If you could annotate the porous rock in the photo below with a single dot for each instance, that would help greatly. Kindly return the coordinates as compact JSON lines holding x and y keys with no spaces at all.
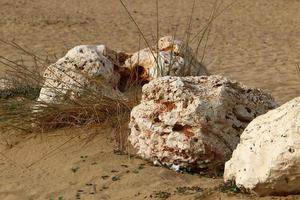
{"x":267,"y":159}
{"x":170,"y":57}
{"x":6,"y":84}
{"x":81,"y":69}
{"x":194,"y":122}
{"x":192,"y":66}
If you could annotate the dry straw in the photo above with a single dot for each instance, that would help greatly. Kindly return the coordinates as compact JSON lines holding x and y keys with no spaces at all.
{"x":95,"y":107}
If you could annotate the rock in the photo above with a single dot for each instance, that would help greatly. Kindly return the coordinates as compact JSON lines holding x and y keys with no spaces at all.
{"x":267,"y":159}
{"x":194,"y":122}
{"x":118,"y":58}
{"x":172,"y":58}
{"x":6,"y":84}
{"x":80,"y":70}
{"x":192,"y":66}
{"x":140,"y":63}
{"x":145,"y":60}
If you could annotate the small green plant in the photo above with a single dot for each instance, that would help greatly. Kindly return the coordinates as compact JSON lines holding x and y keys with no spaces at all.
{"x":161,"y":194}
{"x":116,"y":178}
{"x":228,"y":187}
{"x":26,"y":91}
{"x":188,"y":190}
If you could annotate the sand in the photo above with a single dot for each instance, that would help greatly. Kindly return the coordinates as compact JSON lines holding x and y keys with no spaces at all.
{"x":255,"y":42}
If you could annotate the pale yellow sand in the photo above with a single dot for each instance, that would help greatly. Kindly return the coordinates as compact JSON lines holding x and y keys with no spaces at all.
{"x":256,"y":42}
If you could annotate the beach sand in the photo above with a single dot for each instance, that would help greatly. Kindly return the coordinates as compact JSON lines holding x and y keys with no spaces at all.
{"x":254,"y":41}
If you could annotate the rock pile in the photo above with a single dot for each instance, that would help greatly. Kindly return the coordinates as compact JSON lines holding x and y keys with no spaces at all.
{"x":83,"y":67}
{"x":187,"y":119}
{"x":194,"y":122}
{"x":267,"y":160}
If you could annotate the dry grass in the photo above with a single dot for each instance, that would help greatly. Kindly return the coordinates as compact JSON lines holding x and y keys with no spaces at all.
{"x":96,"y":108}
{"x":200,"y":38}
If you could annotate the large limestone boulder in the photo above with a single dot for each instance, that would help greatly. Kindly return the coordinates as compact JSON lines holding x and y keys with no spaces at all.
{"x":194,"y":122}
{"x":173,"y":57}
{"x":83,"y":68}
{"x":267,"y":159}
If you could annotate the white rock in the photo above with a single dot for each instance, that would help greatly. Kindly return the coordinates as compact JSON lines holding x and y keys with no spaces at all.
{"x":6,"y":84}
{"x":192,"y":66}
{"x":192,"y":121}
{"x":78,"y":71}
{"x":267,"y":159}
{"x":145,"y":59}
{"x":172,"y":58}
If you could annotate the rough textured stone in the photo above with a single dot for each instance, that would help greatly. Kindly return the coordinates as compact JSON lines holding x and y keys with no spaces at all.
{"x":192,"y":66}
{"x":6,"y":84}
{"x":194,"y":122}
{"x":172,"y":58}
{"x":78,"y":71}
{"x":267,"y":159}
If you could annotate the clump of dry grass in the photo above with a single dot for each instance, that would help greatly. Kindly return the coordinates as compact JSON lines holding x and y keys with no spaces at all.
{"x":198,"y":39}
{"x":18,"y":105}
{"x":95,"y":108}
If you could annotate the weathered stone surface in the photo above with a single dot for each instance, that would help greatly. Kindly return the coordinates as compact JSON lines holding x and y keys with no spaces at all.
{"x":194,"y":122}
{"x":267,"y":159}
{"x":192,"y":66}
{"x":6,"y":84}
{"x":78,"y":71}
{"x":172,"y":58}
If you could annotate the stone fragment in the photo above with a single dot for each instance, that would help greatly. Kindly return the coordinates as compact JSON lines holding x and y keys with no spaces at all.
{"x":267,"y":159}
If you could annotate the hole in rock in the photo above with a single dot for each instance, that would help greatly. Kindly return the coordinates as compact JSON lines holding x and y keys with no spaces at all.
{"x":248,"y":109}
{"x":156,"y":120}
{"x":291,"y":150}
{"x":186,"y":129}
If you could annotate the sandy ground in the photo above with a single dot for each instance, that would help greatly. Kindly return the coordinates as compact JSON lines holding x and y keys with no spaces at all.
{"x":66,"y":166}
{"x":255,"y":41}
